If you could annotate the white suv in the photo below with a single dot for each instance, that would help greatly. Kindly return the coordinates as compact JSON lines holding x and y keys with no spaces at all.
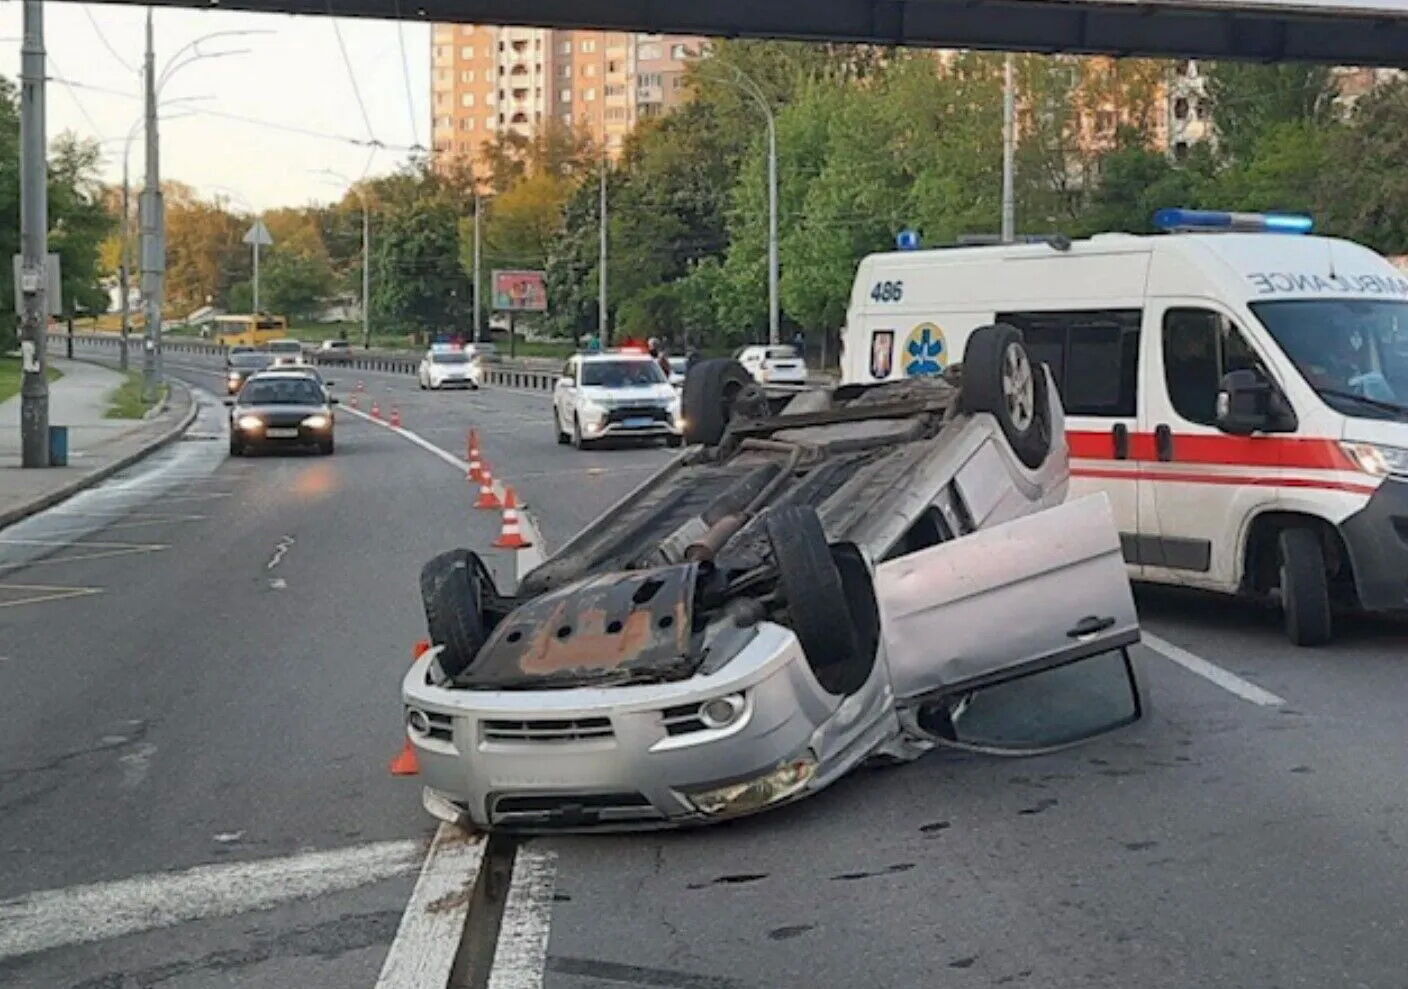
{"x":614,"y":394}
{"x":774,"y":365}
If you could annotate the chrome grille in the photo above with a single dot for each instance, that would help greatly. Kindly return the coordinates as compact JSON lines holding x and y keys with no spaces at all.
{"x":568,"y":810}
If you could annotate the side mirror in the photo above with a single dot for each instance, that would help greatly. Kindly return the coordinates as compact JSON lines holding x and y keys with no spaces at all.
{"x":566,"y":381}
{"x":329,"y":383}
{"x":332,"y":400}
{"x":229,"y":401}
{"x":1247,"y":403}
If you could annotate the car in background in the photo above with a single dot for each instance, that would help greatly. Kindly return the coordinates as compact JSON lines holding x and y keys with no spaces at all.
{"x":333,"y":350}
{"x":302,"y":370}
{"x":240,"y":348}
{"x":679,"y":367}
{"x":281,"y":409}
{"x":242,"y":363}
{"x":285,"y":351}
{"x":774,"y":364}
{"x":447,"y":366}
{"x":614,"y":393}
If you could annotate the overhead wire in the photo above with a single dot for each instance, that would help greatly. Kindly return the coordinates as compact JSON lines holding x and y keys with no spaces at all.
{"x":406,"y":75}
{"x":97,"y":29}
{"x":351,"y":73}
{"x":97,"y":131}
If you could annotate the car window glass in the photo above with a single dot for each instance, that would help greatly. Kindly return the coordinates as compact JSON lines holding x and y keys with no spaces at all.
{"x":1093,"y":356}
{"x":287,"y":391}
{"x":1200,"y":346}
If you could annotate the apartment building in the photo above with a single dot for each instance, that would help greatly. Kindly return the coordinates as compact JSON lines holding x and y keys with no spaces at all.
{"x":488,"y":80}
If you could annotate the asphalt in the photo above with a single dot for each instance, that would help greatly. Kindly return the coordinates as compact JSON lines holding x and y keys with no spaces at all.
{"x":1218,"y":843}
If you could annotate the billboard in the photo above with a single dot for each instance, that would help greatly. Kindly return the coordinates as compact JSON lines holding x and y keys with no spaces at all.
{"x":520,"y":291}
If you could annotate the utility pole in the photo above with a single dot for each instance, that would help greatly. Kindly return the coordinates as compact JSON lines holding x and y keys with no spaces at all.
{"x":153,"y":235}
{"x":774,"y":333}
{"x":1009,"y":143}
{"x":256,"y":271}
{"x":122,"y":285}
{"x":601,"y":328}
{"x":366,"y":274}
{"x":34,"y":243}
{"x":478,"y":206}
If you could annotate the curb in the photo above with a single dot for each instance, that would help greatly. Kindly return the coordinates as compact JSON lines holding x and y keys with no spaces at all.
{"x":52,"y":498}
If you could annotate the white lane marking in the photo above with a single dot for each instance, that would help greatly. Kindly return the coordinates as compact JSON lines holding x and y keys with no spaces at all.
{"x":521,"y":954}
{"x":423,"y":951}
{"x":283,"y":547}
{"x":46,"y":592}
{"x":277,"y":584}
{"x":136,"y":764}
{"x":85,"y":914}
{"x":1211,"y":672}
{"x":524,"y":559}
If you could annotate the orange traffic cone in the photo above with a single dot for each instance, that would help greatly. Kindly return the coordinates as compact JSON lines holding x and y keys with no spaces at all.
{"x":376,"y":410}
{"x":472,"y":444}
{"x":395,"y":417}
{"x":361,"y":385}
{"x":406,"y":762}
{"x":511,"y":537}
{"x":353,"y":399}
{"x":487,"y":498}
{"x":476,"y":468}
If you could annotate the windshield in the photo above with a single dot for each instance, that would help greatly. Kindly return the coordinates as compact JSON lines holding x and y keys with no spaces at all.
{"x":453,"y":357}
{"x":782,"y":353}
{"x":251,"y":360}
{"x":285,"y":347}
{"x":282,"y":391}
{"x":1347,"y":349}
{"x":622,"y":374}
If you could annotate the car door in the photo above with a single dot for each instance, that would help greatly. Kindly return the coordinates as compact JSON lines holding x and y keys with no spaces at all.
{"x":564,"y":393}
{"x":1202,"y":484}
{"x":1013,"y":603}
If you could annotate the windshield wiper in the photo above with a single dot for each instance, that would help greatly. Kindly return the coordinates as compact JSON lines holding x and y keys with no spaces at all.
{"x":1373,"y":403}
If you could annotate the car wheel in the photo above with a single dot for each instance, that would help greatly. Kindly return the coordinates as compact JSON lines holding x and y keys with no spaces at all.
{"x":675,"y":441}
{"x":452,"y":588}
{"x":829,"y":597}
{"x":236,"y":447}
{"x":562,"y":438}
{"x":1000,"y":377}
{"x":421,"y":381}
{"x":1305,"y":587}
{"x":710,"y":388}
{"x":325,"y":447}
{"x":578,"y":440}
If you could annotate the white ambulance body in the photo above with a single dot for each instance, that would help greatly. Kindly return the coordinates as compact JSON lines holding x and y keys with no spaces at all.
{"x":1242,"y":398}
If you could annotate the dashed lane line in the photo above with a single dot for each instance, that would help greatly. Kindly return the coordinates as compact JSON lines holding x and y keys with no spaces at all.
{"x":55,"y":918}
{"x":520,"y":957}
{"x":1211,"y":672}
{"x":45,"y":592}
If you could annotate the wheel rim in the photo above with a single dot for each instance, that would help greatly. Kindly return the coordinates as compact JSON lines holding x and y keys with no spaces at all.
{"x":1018,"y":386}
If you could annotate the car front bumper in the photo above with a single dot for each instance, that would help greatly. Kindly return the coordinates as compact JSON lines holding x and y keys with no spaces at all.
{"x":465,"y":382}
{"x":258,"y":438}
{"x":621,"y":758}
{"x":1377,"y":539}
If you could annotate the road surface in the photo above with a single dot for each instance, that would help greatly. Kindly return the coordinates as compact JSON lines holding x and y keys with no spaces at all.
{"x":210,"y":676}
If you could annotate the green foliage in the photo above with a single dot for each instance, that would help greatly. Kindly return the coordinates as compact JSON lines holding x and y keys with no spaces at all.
{"x":1248,"y":99}
{"x":294,"y":284}
{"x":418,"y":284}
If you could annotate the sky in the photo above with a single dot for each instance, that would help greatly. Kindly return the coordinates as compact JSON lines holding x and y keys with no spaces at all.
{"x":293,"y":76}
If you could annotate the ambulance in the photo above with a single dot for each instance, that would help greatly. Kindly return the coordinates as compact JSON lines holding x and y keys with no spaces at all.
{"x":1237,"y":387}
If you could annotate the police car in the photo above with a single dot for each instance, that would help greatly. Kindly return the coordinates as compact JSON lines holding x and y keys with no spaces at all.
{"x":616,"y":393}
{"x":446,"y":365}
{"x":1235,"y":386}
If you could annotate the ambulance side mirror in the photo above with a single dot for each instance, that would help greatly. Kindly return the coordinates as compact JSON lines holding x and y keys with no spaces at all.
{"x":1248,"y":403}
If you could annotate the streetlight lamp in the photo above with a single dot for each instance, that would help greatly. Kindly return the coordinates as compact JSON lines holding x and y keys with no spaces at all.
{"x":366,"y":253}
{"x":152,"y":216}
{"x":746,"y":84}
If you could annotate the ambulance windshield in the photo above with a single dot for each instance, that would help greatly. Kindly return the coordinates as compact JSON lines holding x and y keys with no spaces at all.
{"x":1353,"y":352}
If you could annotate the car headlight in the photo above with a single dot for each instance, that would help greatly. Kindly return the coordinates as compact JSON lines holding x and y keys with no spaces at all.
{"x":318,"y":421}
{"x":784,"y":781}
{"x":234,"y":376}
{"x":1377,"y":459}
{"x":591,"y":410}
{"x":250,"y":423}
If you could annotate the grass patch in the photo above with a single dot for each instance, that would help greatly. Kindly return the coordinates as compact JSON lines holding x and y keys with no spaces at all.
{"x":126,"y":400}
{"x":11,"y":375}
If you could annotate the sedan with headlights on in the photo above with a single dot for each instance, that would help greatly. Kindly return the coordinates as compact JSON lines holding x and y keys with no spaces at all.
{"x":282,"y":409}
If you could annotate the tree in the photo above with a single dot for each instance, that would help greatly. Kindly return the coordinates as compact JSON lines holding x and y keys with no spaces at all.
{"x":294,"y":284}
{"x":1248,"y":99}
{"x":1366,"y":197}
{"x":418,"y":283}
{"x":205,"y":252}
{"x":79,"y":222}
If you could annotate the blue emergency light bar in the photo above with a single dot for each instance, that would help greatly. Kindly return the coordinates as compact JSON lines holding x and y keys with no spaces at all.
{"x":1172,"y":218}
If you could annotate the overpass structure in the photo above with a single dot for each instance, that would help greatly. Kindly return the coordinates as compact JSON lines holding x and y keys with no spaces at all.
{"x":1344,"y":32}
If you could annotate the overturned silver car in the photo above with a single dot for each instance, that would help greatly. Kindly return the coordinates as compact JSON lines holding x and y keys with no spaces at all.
{"x":818,"y":580}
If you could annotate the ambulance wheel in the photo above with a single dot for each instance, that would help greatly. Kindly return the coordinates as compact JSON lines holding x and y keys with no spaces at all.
{"x":710,"y":390}
{"x":452,"y":590}
{"x":830,"y":600}
{"x":1305,"y":587}
{"x":1000,"y":377}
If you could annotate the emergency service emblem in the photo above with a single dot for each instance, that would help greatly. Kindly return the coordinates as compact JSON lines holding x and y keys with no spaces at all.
{"x":925,"y":352}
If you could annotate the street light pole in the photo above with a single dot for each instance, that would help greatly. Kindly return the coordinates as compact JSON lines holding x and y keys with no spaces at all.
{"x":366,"y":253}
{"x":255,"y":307}
{"x":153,"y":229}
{"x":34,"y":243}
{"x":478,"y":207}
{"x":602,"y":331}
{"x":122,"y":285}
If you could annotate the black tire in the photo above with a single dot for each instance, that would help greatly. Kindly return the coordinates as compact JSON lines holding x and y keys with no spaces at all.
{"x":562,"y":438}
{"x":674,"y":441}
{"x":993,"y":357}
{"x":578,"y":441}
{"x":452,"y":587}
{"x":326,"y":447}
{"x":816,"y":599}
{"x":710,"y":388}
{"x":236,"y":447}
{"x":1305,"y":587}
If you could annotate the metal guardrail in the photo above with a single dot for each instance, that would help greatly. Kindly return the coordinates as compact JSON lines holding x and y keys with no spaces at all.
{"x":503,"y":375}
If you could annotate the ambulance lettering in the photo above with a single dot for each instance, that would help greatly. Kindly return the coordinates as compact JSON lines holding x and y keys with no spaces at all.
{"x":1272,"y":282}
